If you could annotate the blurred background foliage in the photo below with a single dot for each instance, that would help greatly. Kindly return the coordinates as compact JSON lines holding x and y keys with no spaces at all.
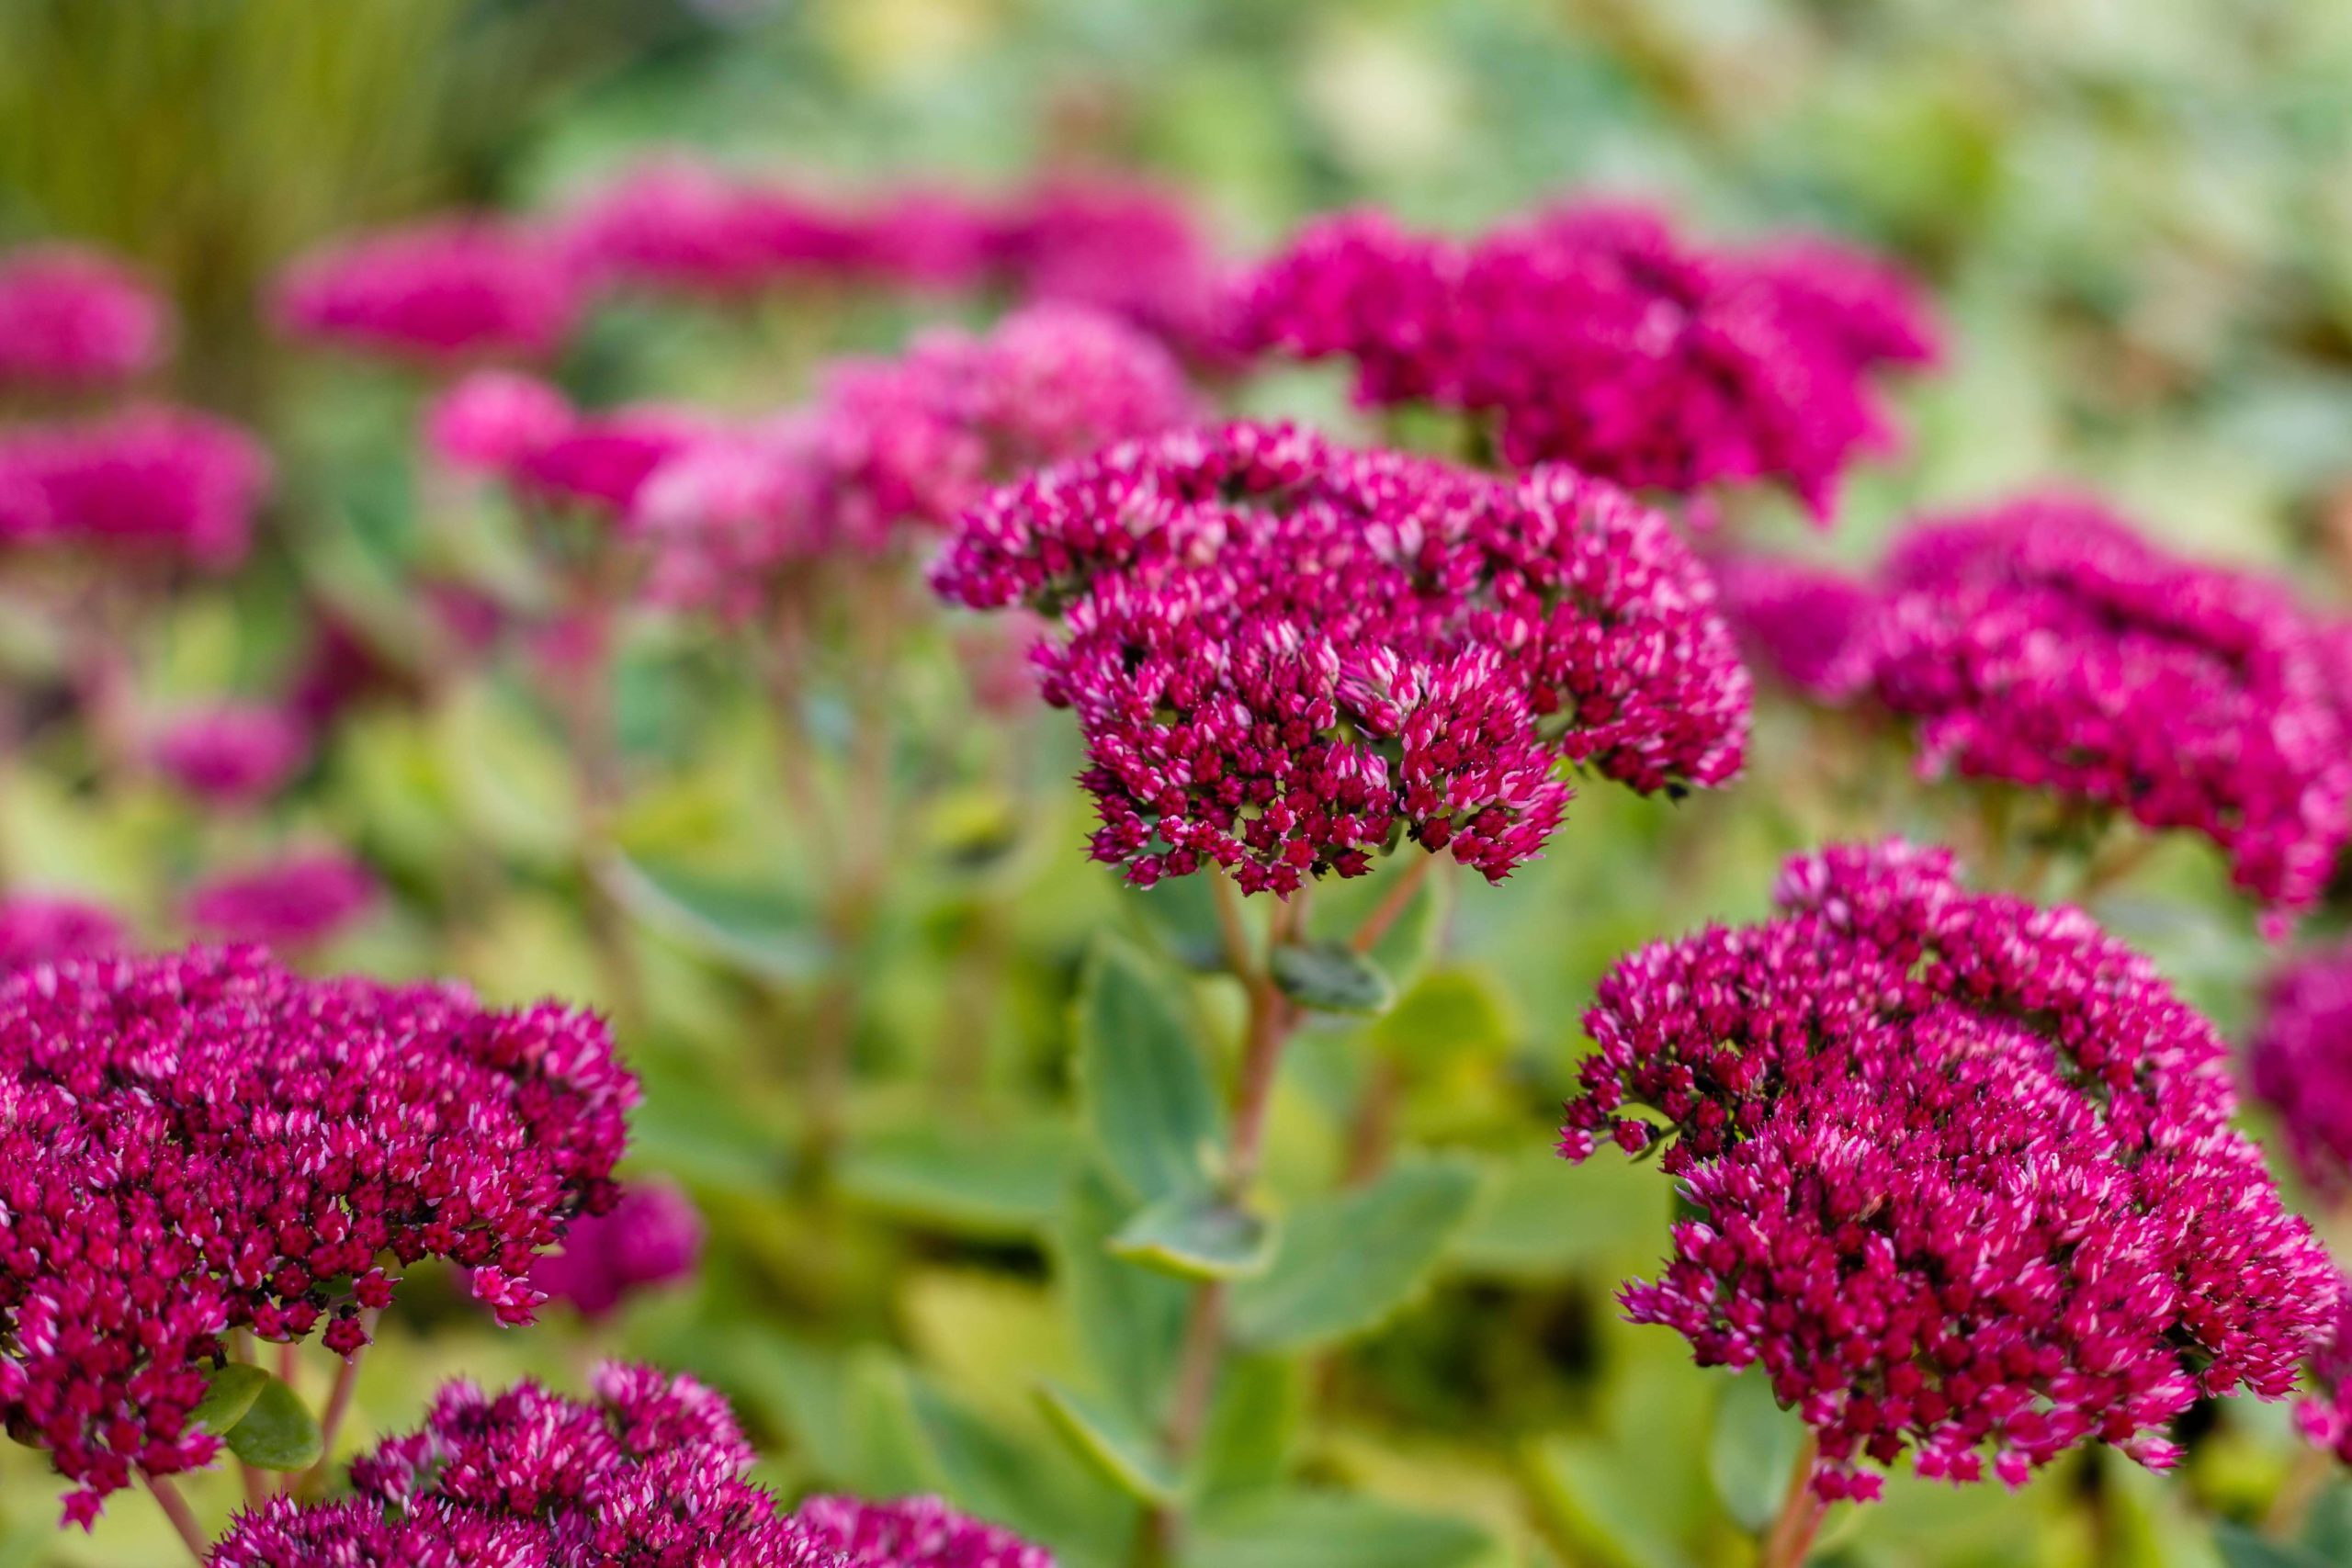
{"x":2138,"y":212}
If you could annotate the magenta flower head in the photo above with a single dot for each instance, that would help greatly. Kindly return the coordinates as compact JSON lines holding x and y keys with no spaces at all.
{"x":1804,"y":626}
{"x":1962,"y":1171}
{"x":445,"y":293}
{"x":601,"y":461}
{"x":676,"y":224}
{"x":914,"y":1532}
{"x":151,"y":483}
{"x":1287,"y":657}
{"x":2046,"y":643}
{"x":1596,"y":336}
{"x":42,"y":929}
{"x":653,"y":1237}
{"x":237,"y":754}
{"x":649,"y":1472}
{"x":71,"y":319}
{"x":2324,"y":1412}
{"x":2299,"y":1062}
{"x":1123,"y":247}
{"x":305,"y":898}
{"x":491,"y":420}
{"x":203,"y":1142}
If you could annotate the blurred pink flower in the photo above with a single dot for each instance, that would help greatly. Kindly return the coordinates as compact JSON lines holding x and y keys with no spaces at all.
{"x":444,"y":291}
{"x":36,"y":928}
{"x":70,"y":317}
{"x":492,"y":420}
{"x":304,"y":898}
{"x":235,"y":754}
{"x":150,"y":480}
{"x":653,"y":1237}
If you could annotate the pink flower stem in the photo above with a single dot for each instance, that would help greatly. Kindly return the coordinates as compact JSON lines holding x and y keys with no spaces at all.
{"x":1393,"y":904}
{"x":175,"y":1508}
{"x":1790,"y":1540}
{"x":339,"y":1403}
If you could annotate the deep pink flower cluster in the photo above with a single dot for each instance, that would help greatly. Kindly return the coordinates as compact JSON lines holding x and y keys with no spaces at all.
{"x":914,"y":1532}
{"x":1124,"y":247}
{"x":527,"y":433}
{"x":674,"y":223}
{"x":2300,"y":1061}
{"x":235,"y":754}
{"x":1595,"y":335}
{"x":2046,"y":643}
{"x":150,"y":482}
{"x":1804,"y":626}
{"x":202,"y":1142}
{"x":445,"y":291}
{"x":2324,"y":1412}
{"x":899,"y":446}
{"x":1286,"y":656}
{"x":305,"y":898}
{"x":42,"y":928}
{"x":653,"y":1237}
{"x":72,"y":317}
{"x":647,"y":1475}
{"x":1964,"y":1174}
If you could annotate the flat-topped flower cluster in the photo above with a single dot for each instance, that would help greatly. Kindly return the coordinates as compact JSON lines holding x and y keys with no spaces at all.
{"x":1964,"y":1171}
{"x":1286,"y":656}
{"x":2045,"y":642}
{"x":202,"y":1142}
{"x":1597,"y":336}
{"x":648,"y":1473}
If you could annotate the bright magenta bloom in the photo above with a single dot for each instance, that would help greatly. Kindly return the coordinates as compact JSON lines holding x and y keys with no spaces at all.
{"x":202,"y":1142}
{"x":653,"y":1237}
{"x":1964,"y":1178}
{"x":235,"y":754}
{"x":2300,"y":1063}
{"x":72,"y":317}
{"x":303,"y":898}
{"x":1805,"y":627}
{"x":1124,"y":248}
{"x":447,"y":291}
{"x":151,"y":482}
{"x":1286,"y":656}
{"x":2047,"y":643}
{"x":42,"y":929}
{"x":1596,"y":336}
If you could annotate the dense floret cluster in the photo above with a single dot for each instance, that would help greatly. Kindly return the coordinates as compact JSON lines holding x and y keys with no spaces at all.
{"x":2300,"y":1060}
{"x":1285,"y":656}
{"x":1963,"y":1176}
{"x":2046,"y":643}
{"x":202,"y":1142}
{"x":148,"y":483}
{"x":73,"y":319}
{"x":1597,"y":336}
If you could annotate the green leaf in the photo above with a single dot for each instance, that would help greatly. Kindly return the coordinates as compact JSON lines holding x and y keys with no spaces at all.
{"x":1118,"y":1447}
{"x":761,"y":930}
{"x":276,"y":1431}
{"x":1752,"y":1449}
{"x":227,"y":1397}
{"x":1142,"y":1083}
{"x":1319,"y":1529}
{"x":988,"y":1181}
{"x":1130,"y":1319}
{"x":1024,"y":1479}
{"x":1346,"y":1262}
{"x":1330,"y":976}
{"x":1253,"y":1421}
{"x":1198,"y":1237}
{"x":1538,"y":1217}
{"x":2241,"y":1547}
{"x":1447,"y":1012}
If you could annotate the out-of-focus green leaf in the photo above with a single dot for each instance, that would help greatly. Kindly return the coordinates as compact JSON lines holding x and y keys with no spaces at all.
{"x":1142,"y":1080}
{"x":846,"y":1411}
{"x":1346,"y":1262}
{"x":1127,"y":1454}
{"x":991,"y":1180}
{"x":1253,"y":1421}
{"x":1323,"y":1529}
{"x":1332,"y":978}
{"x":1539,"y":1217}
{"x":277,"y":1430}
{"x":762,"y":929}
{"x":511,"y":780}
{"x":2241,"y":1547}
{"x":1752,"y":1449}
{"x":1130,"y":1319}
{"x":1198,"y":1237}
{"x":1582,"y":1485}
{"x":1445,"y":1012}
{"x":1028,"y":1482}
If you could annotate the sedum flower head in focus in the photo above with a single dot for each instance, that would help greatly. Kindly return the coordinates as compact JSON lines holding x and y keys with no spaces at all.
{"x":1287,"y":657}
{"x":203,"y":1142}
{"x":1961,"y":1171}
